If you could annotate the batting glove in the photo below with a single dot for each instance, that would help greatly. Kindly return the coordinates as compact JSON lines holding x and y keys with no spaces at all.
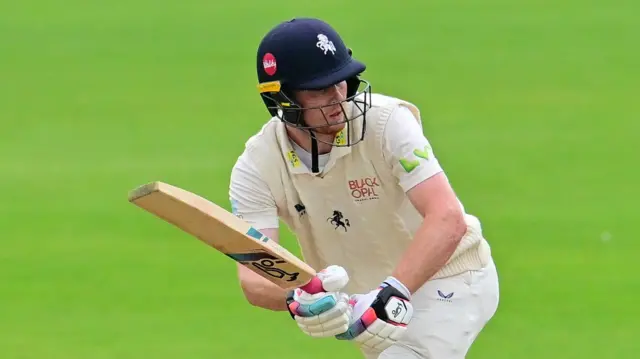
{"x":323,"y":313}
{"x":380,"y":317}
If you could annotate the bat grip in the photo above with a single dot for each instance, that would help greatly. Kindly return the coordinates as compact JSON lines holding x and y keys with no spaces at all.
{"x":314,"y":286}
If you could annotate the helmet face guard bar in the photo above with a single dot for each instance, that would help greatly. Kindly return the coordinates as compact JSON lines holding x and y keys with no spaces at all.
{"x":354,"y":107}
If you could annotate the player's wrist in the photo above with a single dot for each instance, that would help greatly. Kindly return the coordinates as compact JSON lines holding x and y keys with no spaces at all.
{"x":396,"y":283}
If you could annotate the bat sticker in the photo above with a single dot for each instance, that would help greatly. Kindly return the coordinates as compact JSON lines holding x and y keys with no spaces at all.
{"x":266,"y":263}
{"x":257,"y":235}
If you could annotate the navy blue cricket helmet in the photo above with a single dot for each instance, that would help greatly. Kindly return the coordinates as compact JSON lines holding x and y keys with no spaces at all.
{"x":308,"y":54}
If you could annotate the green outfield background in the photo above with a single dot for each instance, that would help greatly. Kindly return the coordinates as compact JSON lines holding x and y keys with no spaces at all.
{"x":531,"y":106}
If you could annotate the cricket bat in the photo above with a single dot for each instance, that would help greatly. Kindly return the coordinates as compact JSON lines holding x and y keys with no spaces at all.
{"x":227,"y":233}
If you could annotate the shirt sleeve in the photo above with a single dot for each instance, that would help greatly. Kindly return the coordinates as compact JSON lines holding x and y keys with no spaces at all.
{"x":407,"y":150}
{"x":250,"y":197}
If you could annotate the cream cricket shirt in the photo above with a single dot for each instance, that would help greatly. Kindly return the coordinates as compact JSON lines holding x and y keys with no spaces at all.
{"x":355,"y":212}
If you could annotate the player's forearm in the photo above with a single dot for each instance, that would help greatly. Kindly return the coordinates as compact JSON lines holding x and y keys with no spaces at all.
{"x":264,"y":294}
{"x":434,"y":243}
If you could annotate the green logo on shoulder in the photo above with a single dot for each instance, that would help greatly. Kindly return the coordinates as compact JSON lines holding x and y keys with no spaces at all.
{"x":422,"y":153}
{"x":410,"y":165}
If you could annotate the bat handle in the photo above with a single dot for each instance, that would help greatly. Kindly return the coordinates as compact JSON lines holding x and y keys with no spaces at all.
{"x":314,"y":286}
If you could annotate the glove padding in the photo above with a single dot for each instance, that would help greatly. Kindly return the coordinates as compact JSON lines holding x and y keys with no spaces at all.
{"x":326,"y":313}
{"x":380,"y":317}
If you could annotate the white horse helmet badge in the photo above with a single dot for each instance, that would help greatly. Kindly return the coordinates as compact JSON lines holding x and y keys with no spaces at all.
{"x":325,"y":44}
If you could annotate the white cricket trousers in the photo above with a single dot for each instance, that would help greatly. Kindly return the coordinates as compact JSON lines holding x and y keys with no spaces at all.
{"x":449,"y":313}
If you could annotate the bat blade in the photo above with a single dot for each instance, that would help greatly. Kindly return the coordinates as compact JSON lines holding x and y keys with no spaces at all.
{"x":223,"y":231}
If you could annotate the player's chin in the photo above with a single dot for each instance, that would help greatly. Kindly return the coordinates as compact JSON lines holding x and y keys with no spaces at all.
{"x":331,"y":129}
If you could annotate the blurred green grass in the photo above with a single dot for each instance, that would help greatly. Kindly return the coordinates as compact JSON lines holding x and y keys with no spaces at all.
{"x":529,"y":105}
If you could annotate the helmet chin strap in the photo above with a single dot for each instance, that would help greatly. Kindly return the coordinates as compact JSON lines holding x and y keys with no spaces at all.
{"x":314,"y":153}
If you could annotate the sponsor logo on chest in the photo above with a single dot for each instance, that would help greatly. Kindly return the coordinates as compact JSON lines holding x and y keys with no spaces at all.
{"x":364,"y":189}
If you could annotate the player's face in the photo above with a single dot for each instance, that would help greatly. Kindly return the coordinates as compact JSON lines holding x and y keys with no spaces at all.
{"x":331,"y":114}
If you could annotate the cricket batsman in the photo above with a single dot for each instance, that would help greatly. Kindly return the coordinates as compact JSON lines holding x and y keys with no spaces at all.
{"x":406,"y":273}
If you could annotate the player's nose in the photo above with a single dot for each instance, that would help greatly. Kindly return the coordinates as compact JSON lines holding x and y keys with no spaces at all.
{"x":336,"y":93}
